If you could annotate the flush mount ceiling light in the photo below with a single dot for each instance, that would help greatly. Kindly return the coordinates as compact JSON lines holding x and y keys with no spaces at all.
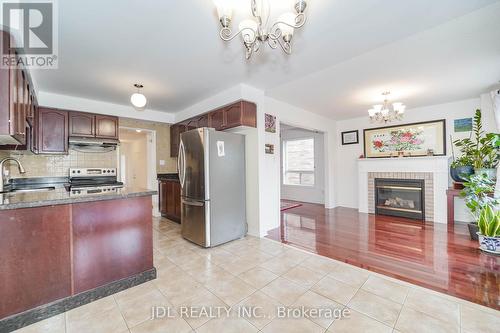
{"x":383,"y":113}
{"x":137,"y":99}
{"x":256,"y":30}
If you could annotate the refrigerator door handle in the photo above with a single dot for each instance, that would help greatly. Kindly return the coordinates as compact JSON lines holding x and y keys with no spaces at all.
{"x":181,"y":170}
{"x":193,"y":203}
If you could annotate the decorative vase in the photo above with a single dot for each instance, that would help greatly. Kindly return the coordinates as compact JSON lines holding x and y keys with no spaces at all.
{"x":491,"y":173}
{"x":489,"y":244}
{"x":459,"y":173}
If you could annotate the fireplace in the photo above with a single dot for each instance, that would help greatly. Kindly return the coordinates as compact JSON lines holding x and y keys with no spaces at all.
{"x":400,"y":197}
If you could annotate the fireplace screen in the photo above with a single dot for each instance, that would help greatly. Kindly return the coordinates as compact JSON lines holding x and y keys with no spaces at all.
{"x":400,"y":197}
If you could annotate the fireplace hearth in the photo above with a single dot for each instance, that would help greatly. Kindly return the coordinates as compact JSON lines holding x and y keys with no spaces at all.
{"x":400,"y":197}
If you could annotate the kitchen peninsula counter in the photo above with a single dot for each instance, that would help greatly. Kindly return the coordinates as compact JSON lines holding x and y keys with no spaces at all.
{"x":60,"y":251}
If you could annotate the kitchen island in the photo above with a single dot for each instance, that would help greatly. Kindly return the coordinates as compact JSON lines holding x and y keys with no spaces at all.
{"x":60,"y":251}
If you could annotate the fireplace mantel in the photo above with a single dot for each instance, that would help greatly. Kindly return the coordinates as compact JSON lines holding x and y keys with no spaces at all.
{"x":437,"y":165}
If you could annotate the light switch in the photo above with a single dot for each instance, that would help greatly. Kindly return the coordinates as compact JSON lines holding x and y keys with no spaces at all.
{"x":162,"y":162}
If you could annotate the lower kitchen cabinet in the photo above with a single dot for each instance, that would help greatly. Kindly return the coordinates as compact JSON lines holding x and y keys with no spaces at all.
{"x":35,"y":257}
{"x":51,"y":253}
{"x":170,"y":199}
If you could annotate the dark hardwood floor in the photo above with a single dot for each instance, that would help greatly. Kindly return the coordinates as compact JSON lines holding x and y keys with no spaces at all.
{"x":434,"y":256}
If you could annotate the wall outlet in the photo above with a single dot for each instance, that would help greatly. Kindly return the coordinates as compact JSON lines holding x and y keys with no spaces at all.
{"x":162,"y":162}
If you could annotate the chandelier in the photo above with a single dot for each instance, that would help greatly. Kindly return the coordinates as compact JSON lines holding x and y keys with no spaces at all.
{"x":383,"y":113}
{"x":256,"y":30}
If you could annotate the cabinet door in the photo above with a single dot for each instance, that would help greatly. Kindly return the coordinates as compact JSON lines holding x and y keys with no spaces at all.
{"x":192,"y":124}
{"x":177,"y":199}
{"x":81,"y":124}
{"x":162,"y":197}
{"x":170,"y":198}
{"x":232,"y":116}
{"x":19,"y":116}
{"x":203,"y":121}
{"x":217,"y":119}
{"x":52,"y":128}
{"x":174,"y":140}
{"x":106,"y":127}
{"x":35,"y":257}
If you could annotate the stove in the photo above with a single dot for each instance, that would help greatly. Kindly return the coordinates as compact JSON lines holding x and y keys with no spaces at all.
{"x":91,"y":181}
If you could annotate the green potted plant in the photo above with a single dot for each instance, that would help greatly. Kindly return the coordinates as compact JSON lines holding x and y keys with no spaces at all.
{"x":489,"y":230}
{"x":461,"y":168}
{"x":480,"y":149}
{"x":478,"y":193}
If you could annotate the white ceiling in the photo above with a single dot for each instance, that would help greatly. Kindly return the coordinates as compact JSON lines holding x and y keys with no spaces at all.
{"x":425,"y":51}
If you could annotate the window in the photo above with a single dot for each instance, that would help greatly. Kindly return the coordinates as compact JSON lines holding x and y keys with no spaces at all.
{"x":298,"y":162}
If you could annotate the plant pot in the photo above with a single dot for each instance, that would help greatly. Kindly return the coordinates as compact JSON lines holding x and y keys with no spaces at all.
{"x":489,"y":244}
{"x":473,"y":231}
{"x":491,"y":173}
{"x":459,"y":173}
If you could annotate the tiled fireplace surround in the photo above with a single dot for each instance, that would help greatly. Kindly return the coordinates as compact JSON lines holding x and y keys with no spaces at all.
{"x":433,"y":169}
{"x":428,"y":194}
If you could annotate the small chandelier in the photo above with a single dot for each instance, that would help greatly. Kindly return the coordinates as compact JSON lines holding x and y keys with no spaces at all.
{"x":382,"y":113}
{"x":256,"y":30}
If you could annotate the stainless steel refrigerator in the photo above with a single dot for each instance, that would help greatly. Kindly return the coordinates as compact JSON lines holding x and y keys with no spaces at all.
{"x":212,"y":174}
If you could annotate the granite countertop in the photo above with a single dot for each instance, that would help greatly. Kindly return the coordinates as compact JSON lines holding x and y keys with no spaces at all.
{"x":60,"y":196}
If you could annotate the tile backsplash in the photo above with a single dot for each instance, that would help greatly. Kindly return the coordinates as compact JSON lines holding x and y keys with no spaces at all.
{"x":58,"y":165}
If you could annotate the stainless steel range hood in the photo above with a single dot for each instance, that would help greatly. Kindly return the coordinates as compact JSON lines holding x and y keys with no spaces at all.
{"x":93,"y":145}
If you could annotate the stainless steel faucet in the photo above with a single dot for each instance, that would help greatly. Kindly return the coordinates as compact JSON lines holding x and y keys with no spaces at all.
{"x":2,"y":171}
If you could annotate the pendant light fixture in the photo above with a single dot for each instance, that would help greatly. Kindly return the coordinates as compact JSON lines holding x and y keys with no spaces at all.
{"x":137,"y":99}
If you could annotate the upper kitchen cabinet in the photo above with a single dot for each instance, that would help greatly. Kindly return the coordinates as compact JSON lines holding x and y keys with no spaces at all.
{"x":17,"y":103}
{"x":51,"y":130}
{"x":89,"y":125}
{"x":241,"y":113}
{"x":81,"y":124}
{"x":12,"y":112}
{"x":106,"y":127}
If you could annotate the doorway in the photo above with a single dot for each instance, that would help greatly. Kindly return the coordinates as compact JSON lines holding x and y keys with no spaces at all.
{"x":302,"y":166}
{"x":137,"y":156}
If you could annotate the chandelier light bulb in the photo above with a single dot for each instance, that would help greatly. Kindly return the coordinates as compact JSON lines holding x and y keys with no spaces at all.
{"x":138,"y":100}
{"x":224,"y":8}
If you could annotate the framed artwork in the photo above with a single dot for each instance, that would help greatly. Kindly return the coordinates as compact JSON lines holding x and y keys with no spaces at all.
{"x":417,"y":139}
{"x":350,"y":137}
{"x":270,"y":123}
{"x":463,"y":125}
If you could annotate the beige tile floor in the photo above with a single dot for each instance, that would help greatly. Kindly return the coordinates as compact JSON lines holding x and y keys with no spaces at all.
{"x":267,"y":275}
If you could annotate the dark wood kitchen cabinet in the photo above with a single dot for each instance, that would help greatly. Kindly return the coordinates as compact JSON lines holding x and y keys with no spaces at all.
{"x":170,"y":199}
{"x":241,"y":113}
{"x":106,"y":127}
{"x":51,"y":131}
{"x":89,"y":125}
{"x":36,"y":257}
{"x":81,"y":124}
{"x":17,"y":102}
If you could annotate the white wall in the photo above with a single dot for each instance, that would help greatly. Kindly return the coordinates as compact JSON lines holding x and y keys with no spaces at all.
{"x":313,"y":194}
{"x":89,"y":105}
{"x":346,"y":161}
{"x":263,"y":170}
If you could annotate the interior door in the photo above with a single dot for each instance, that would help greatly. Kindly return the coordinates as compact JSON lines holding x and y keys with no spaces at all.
{"x":191,"y":164}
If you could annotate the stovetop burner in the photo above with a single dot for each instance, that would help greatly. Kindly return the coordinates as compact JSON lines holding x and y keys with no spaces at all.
{"x":86,"y":181}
